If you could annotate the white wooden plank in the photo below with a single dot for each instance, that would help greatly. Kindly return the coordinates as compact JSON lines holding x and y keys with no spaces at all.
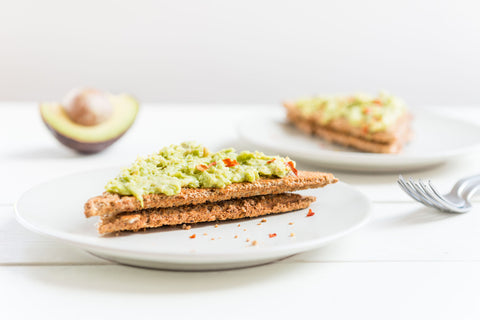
{"x":277,"y":291}
{"x":20,"y":246}
{"x":407,"y":232}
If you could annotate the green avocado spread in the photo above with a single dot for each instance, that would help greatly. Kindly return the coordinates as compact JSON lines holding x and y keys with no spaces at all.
{"x":372,"y":113}
{"x":194,"y":166}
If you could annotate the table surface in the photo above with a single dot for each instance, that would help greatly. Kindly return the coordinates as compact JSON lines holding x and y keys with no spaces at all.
{"x":409,"y":262}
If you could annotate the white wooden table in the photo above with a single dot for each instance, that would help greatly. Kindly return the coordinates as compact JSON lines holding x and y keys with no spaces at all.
{"x":409,"y":263}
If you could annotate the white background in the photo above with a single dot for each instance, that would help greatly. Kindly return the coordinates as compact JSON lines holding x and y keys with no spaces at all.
{"x":428,"y":52}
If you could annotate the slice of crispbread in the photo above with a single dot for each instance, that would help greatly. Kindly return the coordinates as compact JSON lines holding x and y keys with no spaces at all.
{"x":390,"y":141}
{"x":111,"y":204}
{"x":223,"y":210}
{"x":341,"y":125}
{"x":362,"y":144}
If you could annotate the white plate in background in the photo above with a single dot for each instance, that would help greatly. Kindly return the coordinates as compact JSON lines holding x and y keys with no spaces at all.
{"x":436,"y":139}
{"x":55,"y":209}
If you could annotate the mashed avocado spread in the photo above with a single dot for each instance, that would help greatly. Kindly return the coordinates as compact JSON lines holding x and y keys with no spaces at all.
{"x":360,"y":110}
{"x":194,"y":166}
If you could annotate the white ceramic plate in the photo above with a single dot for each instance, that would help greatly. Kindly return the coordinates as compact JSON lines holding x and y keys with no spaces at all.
{"x":436,"y":140}
{"x":55,"y":209}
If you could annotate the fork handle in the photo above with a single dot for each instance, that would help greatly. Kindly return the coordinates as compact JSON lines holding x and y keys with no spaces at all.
{"x":471,"y":189}
{"x":463,"y":184}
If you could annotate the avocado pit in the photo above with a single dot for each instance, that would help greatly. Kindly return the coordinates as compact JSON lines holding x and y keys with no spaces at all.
{"x":89,"y":120}
{"x":88,"y":106}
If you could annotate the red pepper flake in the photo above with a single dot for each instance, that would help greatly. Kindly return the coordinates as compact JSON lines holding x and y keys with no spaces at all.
{"x":367,"y":110}
{"x":193,"y":236}
{"x":270,"y":161}
{"x":230,"y":163}
{"x":292,"y":167}
{"x":310,"y":213}
{"x":377,"y":101}
{"x":272,"y":235}
{"x":203,"y":167}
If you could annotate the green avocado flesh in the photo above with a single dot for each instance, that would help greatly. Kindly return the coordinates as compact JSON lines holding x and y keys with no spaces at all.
{"x":194,"y":166}
{"x":360,"y":110}
{"x":125,"y":109}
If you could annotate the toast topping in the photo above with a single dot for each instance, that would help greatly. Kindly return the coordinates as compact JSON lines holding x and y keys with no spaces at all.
{"x":192,"y":165}
{"x":361,"y":110}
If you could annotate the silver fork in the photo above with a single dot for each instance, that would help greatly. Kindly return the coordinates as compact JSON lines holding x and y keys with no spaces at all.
{"x":456,"y":201}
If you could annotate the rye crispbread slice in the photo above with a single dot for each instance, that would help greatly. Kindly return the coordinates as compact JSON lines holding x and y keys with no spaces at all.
{"x":223,"y":210}
{"x":340,"y":131}
{"x":110,"y":204}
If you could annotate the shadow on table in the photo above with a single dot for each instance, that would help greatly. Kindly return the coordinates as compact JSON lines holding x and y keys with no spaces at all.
{"x":124,"y":279}
{"x":420,"y":215}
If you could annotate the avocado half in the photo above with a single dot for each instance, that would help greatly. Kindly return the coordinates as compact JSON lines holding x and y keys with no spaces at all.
{"x":90,"y":139}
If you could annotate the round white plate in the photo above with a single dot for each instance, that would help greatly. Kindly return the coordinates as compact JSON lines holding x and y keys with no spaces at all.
{"x":55,"y":209}
{"x":436,"y":140}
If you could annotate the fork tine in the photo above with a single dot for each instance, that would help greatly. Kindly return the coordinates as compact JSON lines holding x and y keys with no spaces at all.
{"x":427,"y":194}
{"x":403,"y":184}
{"x":412,"y":192}
{"x":426,"y":199}
{"x":435,"y":198}
{"x":411,"y":186}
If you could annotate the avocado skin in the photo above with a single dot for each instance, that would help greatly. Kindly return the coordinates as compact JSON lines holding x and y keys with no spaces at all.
{"x":83,"y":147}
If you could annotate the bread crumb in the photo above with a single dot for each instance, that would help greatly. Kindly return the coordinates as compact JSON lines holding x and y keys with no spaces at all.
{"x":264,"y":220}
{"x":290,"y":223}
{"x":248,"y":240}
{"x":254,"y":242}
{"x":259,"y":224}
{"x":193,"y":236}
{"x":244,"y":229}
{"x":205,"y":234}
{"x":238,"y":225}
{"x":186,"y":227}
{"x":212,"y":239}
{"x":216,"y":226}
{"x":219,"y":238}
{"x":292,"y":234}
{"x":235,"y":237}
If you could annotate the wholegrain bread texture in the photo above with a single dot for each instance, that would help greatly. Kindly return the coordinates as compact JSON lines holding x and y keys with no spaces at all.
{"x":223,"y":210}
{"x":110,"y":204}
{"x":340,"y":131}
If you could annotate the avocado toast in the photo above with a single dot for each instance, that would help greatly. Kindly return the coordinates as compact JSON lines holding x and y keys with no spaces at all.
{"x":187,"y":183}
{"x":378,"y":124}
